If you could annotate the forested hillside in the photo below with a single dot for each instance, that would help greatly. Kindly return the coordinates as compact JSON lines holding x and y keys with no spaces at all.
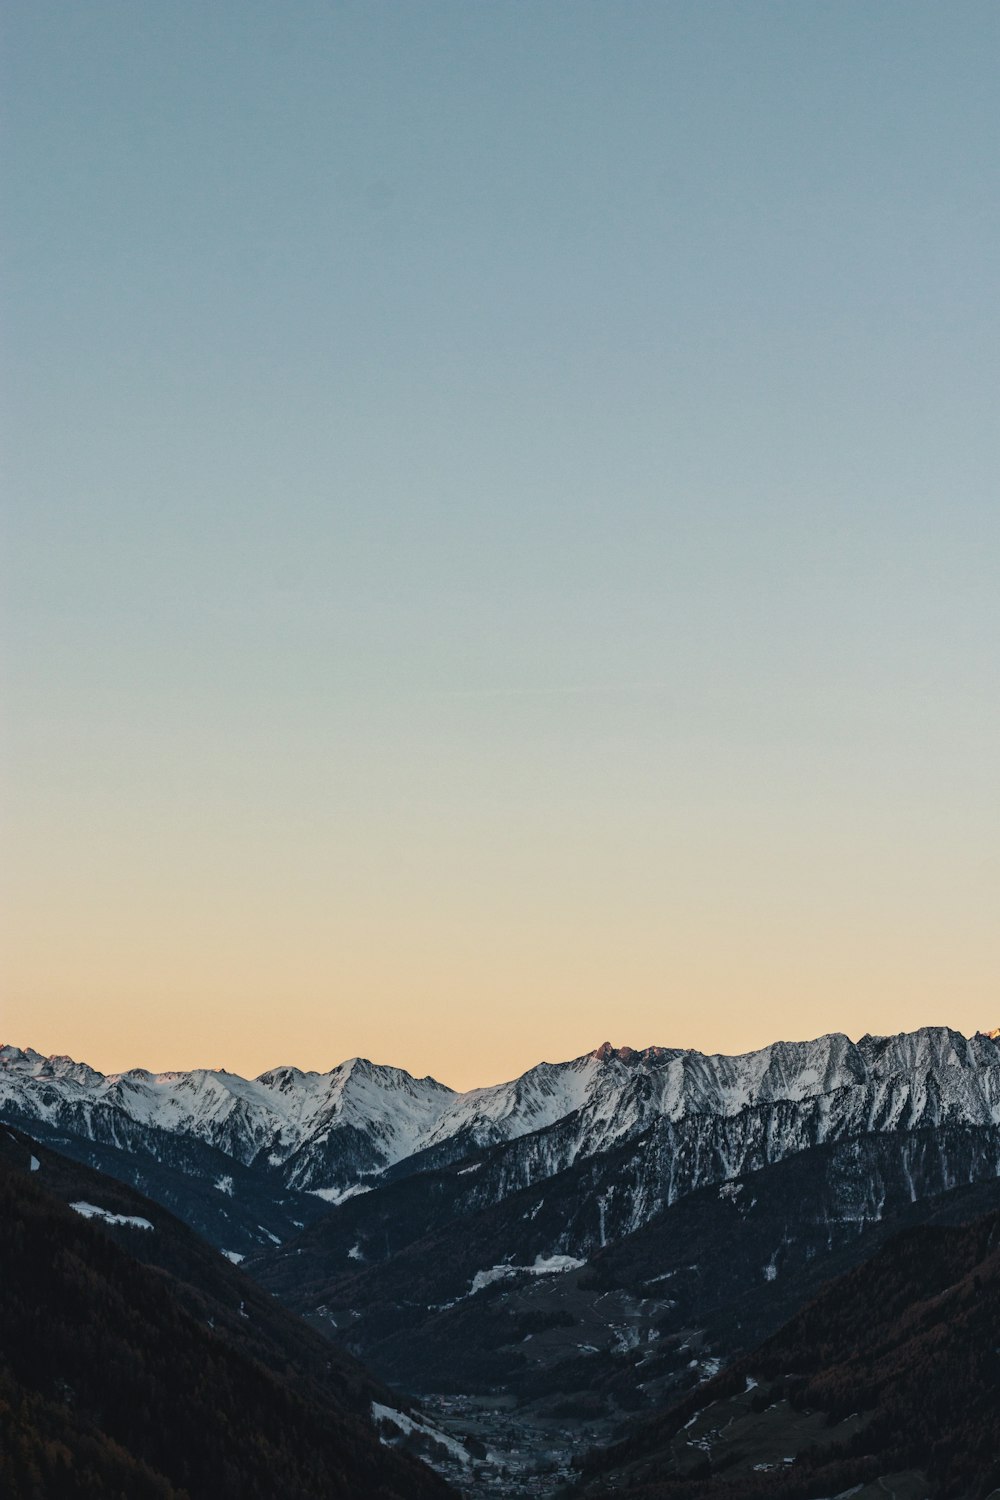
{"x":893,"y":1370}
{"x":110,"y":1385}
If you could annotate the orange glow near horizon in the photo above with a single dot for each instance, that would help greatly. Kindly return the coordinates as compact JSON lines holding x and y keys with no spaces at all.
{"x":503,"y":531}
{"x":465,"y":1028}
{"x":472,"y":945}
{"x":470,"y":940}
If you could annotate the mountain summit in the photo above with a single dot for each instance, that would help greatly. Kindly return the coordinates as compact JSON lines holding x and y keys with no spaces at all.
{"x":333,"y":1133}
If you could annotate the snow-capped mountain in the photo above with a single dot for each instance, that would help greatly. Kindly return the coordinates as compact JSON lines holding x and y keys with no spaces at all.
{"x":568,"y":1228}
{"x":329,"y":1133}
{"x":376,"y":1115}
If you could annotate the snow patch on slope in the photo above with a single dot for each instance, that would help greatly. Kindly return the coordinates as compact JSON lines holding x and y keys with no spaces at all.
{"x":407,"y":1425}
{"x":336,"y":1196}
{"x":545,"y":1265}
{"x":91,"y":1211}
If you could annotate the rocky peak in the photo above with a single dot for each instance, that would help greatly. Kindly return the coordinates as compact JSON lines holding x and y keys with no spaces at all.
{"x":632,"y":1056}
{"x":605,"y":1052}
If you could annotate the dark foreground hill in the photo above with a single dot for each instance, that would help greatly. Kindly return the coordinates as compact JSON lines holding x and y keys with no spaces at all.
{"x":164,"y":1380}
{"x":887,"y":1384}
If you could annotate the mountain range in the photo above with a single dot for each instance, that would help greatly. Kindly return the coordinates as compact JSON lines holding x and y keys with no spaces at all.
{"x":542,"y":1261}
{"x":332,"y":1133}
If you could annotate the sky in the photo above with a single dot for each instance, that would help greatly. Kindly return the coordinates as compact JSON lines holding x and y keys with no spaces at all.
{"x":503,"y":527}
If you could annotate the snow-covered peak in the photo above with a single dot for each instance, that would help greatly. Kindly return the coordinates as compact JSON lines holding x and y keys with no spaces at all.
{"x":34,"y":1065}
{"x":327,"y":1131}
{"x":283,"y":1078}
{"x":931,"y":1047}
{"x":546,"y":1093}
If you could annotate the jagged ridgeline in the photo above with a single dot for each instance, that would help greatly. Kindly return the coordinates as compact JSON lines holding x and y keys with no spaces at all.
{"x":251,"y":1161}
{"x":583,"y":1245}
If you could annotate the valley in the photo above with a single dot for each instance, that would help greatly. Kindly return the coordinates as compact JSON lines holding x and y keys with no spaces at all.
{"x":532,"y":1270}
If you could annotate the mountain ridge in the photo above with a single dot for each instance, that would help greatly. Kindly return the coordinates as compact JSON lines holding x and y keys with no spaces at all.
{"x":328,"y":1133}
{"x":461,"y":1239}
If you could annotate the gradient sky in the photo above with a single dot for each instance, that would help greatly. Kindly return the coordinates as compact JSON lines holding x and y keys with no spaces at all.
{"x":504,"y":541}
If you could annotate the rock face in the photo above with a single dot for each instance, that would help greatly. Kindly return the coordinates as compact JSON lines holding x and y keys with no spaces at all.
{"x":711,"y":1117}
{"x":437,"y":1292}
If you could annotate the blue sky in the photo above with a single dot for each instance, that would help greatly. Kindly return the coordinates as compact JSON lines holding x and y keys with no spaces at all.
{"x":504,"y":518}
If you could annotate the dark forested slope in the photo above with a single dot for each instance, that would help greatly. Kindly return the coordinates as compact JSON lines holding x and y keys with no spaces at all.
{"x":118,"y":1378}
{"x":894,"y":1370}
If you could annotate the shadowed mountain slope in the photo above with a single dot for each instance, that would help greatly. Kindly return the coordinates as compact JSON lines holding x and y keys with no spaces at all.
{"x":888,"y":1382}
{"x":437,"y":1287}
{"x":174,"y":1378}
